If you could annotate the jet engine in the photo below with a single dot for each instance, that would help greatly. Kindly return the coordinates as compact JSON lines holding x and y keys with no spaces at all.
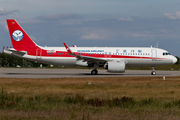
{"x":115,"y":66}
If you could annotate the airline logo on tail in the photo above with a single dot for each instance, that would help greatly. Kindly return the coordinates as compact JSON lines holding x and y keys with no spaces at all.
{"x":17,"y":35}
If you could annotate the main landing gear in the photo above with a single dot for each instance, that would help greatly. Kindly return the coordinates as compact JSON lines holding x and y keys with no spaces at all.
{"x":94,"y":71}
{"x":153,"y":71}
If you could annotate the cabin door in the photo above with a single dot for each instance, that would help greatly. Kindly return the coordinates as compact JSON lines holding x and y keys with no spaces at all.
{"x":39,"y":53}
{"x":153,"y":54}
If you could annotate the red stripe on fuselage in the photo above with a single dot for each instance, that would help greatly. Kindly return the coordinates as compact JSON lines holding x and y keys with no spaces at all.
{"x":66,"y":54}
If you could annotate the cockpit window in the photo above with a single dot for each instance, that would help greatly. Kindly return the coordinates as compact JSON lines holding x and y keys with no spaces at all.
{"x":166,"y":53}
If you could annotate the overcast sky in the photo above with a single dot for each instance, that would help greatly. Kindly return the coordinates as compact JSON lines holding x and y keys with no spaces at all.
{"x":113,"y":23}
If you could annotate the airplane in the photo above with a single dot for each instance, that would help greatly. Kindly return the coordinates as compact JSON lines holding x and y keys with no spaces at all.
{"x":113,"y":59}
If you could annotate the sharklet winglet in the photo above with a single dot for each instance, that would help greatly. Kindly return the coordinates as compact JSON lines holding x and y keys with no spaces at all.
{"x":68,"y":49}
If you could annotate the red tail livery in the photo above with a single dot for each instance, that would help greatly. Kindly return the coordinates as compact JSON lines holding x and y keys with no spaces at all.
{"x":19,"y":38}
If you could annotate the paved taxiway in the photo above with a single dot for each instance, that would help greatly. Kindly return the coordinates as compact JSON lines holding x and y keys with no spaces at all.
{"x":61,"y":73}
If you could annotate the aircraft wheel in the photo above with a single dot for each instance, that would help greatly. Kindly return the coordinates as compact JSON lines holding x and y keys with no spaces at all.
{"x":153,"y":73}
{"x":94,"y":72}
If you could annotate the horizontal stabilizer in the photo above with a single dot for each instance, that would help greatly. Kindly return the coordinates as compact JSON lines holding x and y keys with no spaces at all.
{"x":12,"y":51}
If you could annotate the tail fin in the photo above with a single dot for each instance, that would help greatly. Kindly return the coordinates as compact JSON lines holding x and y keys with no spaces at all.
{"x":19,"y":38}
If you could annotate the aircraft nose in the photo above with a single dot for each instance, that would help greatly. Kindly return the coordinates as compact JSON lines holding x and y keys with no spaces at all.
{"x":174,"y":60}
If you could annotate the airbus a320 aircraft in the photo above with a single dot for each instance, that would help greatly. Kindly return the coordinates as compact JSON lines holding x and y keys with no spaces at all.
{"x":114,"y":59}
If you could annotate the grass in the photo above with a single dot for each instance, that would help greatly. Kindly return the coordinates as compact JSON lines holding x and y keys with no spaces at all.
{"x":105,"y":98}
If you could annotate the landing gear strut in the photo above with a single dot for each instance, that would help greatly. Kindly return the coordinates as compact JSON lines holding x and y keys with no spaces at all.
{"x":153,"y":71}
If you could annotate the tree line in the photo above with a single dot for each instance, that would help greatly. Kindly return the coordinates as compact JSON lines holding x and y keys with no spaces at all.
{"x":11,"y":61}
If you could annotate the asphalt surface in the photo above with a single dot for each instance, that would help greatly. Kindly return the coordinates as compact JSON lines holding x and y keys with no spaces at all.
{"x":67,"y":73}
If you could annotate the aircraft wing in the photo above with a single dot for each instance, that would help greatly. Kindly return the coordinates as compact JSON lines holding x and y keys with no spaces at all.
{"x":85,"y":58}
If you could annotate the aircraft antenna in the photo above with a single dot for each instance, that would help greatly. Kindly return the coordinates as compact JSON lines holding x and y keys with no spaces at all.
{"x":156,"y":45}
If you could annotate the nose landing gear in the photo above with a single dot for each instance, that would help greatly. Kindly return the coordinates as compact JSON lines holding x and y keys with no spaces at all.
{"x":153,"y":72}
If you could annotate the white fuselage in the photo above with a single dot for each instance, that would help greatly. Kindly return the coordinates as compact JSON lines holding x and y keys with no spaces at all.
{"x":133,"y":56}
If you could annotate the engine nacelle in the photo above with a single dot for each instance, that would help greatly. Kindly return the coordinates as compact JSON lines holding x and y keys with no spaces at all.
{"x":115,"y":66}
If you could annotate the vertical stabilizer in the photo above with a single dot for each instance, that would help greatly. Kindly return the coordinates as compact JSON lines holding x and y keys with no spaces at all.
{"x":19,"y":38}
